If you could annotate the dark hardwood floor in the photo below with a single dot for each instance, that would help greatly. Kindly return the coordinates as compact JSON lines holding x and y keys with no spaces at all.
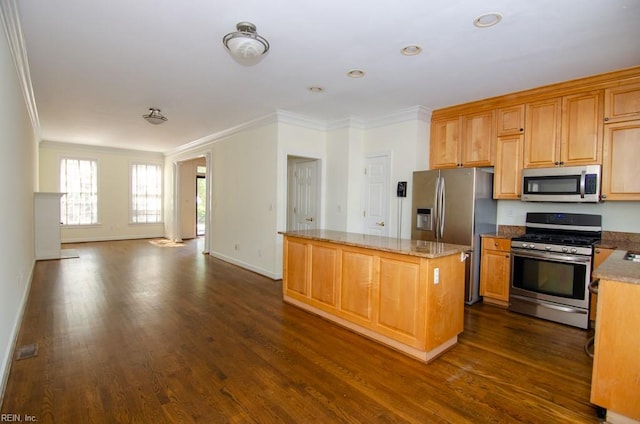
{"x":131,"y":332}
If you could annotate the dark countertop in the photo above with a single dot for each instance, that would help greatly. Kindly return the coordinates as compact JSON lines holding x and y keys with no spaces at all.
{"x":424,"y":249}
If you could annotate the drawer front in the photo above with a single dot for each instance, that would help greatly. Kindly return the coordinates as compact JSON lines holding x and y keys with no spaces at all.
{"x":496,"y":243}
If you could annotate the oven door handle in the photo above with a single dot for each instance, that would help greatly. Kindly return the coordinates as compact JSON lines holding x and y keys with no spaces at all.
{"x":552,"y":256}
{"x":550,"y":306}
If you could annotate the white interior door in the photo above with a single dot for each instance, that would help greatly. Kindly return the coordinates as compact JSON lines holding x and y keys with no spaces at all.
{"x":303,"y":194}
{"x":376,"y":213}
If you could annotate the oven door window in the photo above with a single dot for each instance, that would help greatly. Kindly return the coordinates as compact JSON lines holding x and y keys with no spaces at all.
{"x":549,"y":277}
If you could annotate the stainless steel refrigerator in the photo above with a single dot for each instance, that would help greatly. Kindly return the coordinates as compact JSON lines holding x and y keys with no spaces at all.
{"x":455,"y":206}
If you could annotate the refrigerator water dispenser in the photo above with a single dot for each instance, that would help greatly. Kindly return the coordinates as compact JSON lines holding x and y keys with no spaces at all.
{"x":423,"y":219}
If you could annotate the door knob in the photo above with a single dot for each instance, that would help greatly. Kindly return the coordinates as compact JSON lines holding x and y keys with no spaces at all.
{"x":381,"y":223}
{"x":310,"y":219}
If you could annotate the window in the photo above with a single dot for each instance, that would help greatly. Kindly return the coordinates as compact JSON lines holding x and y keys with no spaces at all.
{"x":146,"y":193}
{"x":79,"y":180}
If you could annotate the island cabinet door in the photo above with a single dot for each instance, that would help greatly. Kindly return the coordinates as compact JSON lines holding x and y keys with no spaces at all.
{"x":401,"y":301}
{"x":296,"y":268}
{"x":356,"y":288}
{"x":324,"y":276}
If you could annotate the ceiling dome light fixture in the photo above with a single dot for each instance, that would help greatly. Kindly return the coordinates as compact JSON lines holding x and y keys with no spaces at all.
{"x":316,"y":89}
{"x":154,"y":116}
{"x":411,"y":50}
{"x":355,"y":73}
{"x":487,"y":20}
{"x":245,"y":45}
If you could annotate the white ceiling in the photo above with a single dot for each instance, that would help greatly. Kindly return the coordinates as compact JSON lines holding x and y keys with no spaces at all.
{"x":97,"y":66}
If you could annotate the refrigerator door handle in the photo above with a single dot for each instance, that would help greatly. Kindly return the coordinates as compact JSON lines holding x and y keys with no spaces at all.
{"x":436,"y":208}
{"x":443,"y":197}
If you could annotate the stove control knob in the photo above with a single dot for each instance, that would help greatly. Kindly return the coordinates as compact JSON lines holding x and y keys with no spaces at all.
{"x":525,"y":245}
{"x":574,"y":250}
{"x":565,"y":249}
{"x":532,"y":246}
{"x":548,"y":248}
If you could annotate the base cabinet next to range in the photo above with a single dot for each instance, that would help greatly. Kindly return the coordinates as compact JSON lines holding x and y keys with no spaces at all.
{"x":389,"y":297}
{"x":495,"y":270}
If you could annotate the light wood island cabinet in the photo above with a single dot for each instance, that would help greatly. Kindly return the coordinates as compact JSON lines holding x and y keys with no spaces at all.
{"x":406,"y":294}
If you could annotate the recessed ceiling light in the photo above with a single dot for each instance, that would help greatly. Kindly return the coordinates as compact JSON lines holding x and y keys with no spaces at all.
{"x":356,"y":73}
{"x":487,"y":20}
{"x":316,"y":89}
{"x":411,"y":50}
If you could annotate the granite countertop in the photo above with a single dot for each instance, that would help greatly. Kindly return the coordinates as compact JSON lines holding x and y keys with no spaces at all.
{"x":424,"y":249}
{"x":616,"y":268}
{"x":498,"y":235}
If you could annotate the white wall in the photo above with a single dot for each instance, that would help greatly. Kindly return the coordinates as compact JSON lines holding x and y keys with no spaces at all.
{"x":18,"y":160}
{"x":243,"y":227}
{"x":113,"y":190}
{"x":405,"y":142}
{"x":337,"y":179}
{"x":242,"y":172}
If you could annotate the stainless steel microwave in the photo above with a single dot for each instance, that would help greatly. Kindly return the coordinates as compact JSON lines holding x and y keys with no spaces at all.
{"x":562,"y":184}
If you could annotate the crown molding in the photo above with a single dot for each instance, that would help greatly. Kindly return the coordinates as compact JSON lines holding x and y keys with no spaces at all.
{"x":346,"y":123}
{"x":280,"y":116}
{"x":415,"y":113}
{"x":308,"y":122}
{"x":219,"y":136}
{"x":59,"y":145}
{"x":10,"y":15}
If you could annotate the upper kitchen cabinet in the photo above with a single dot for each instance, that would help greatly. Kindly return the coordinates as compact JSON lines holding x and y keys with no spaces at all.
{"x":463,"y":141}
{"x":444,"y":146}
{"x":622,"y":103}
{"x":582,"y":116}
{"x":511,"y":120}
{"x":542,"y":138}
{"x":621,"y":158}
{"x":507,"y":176}
{"x":478,"y":134}
{"x":564,"y":131}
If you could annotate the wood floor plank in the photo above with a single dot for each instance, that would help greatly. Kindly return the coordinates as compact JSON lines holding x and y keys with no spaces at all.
{"x":132,"y":332}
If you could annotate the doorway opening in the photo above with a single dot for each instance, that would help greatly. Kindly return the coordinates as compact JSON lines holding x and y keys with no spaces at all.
{"x":192,"y":200}
{"x":303,"y":193}
{"x":201,"y":201}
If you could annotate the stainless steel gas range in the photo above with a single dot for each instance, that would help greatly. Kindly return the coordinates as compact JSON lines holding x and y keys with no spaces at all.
{"x":551,"y":266}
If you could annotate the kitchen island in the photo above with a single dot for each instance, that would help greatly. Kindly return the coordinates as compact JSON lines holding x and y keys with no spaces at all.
{"x":406,"y":294}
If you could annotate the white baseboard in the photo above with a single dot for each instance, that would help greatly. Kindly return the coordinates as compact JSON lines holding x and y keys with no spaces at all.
{"x":241,"y":264}
{"x":8,"y":355}
{"x":110,"y":238}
